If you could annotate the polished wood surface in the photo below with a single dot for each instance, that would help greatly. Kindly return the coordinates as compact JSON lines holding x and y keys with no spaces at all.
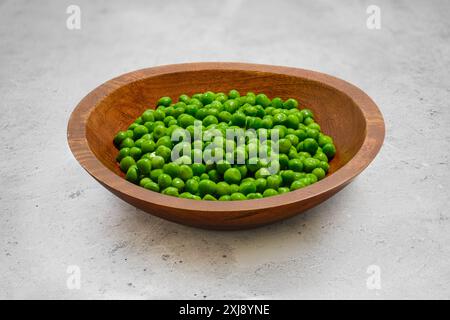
{"x":343,"y":111}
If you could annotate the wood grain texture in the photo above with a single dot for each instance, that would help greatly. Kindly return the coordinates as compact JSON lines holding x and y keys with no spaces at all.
{"x":344,"y":112}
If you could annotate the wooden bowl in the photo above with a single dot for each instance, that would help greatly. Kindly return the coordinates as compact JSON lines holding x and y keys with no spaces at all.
{"x":342,"y":110}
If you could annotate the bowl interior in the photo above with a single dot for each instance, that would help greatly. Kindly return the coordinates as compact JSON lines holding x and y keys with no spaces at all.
{"x":336,"y":113}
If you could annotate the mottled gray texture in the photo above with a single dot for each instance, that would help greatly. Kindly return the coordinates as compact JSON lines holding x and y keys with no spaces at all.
{"x":394,"y":215}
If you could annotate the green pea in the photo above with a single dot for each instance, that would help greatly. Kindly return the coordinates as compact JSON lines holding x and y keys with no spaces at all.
{"x":329,"y":149}
{"x":223,"y":188}
{"x":274,"y":181}
{"x":164,"y":180}
{"x":312,"y":177}
{"x":282,"y":190}
{"x":232,"y":176}
{"x":284,"y":145}
{"x":192,"y":186}
{"x":288,"y":176}
{"x":238,"y":119}
{"x":209,"y":197}
{"x":122,"y":154}
{"x":186,"y":195}
{"x":238,"y":196}
{"x":164,"y":101}
{"x":296,"y":165}
{"x":319,"y":173}
{"x":207,"y":97}
{"x":127,"y":143}
{"x":262,"y":100}
{"x":310,"y":164}
{"x":270,"y":193}
{"x":126,"y":163}
{"x":172,"y":169}
{"x":164,"y":152}
{"x":233,"y":94}
{"x":170,"y":191}
{"x":292,"y":122}
{"x":178,"y":183}
{"x":298,"y":184}
{"x":132,"y":174}
{"x":152,"y":186}
{"x":207,"y":187}
{"x":144,"y":181}
{"x":290,"y":104}
{"x":324,"y":165}
{"x":247,"y":187}
{"x":155,"y":173}
{"x":144,"y":166}
{"x":122,"y":135}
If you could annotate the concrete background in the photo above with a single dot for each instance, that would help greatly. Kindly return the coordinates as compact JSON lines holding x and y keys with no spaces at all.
{"x":53,"y":214}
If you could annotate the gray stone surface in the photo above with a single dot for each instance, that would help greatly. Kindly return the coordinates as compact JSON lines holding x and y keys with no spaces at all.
{"x":53,"y":214}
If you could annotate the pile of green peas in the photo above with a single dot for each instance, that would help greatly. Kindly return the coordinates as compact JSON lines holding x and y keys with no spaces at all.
{"x":145,"y":148}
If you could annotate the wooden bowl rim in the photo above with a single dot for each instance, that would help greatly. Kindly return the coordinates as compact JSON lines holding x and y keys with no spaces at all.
{"x":76,"y":136}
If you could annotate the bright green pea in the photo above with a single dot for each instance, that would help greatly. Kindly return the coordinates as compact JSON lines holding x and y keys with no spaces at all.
{"x":298,"y":184}
{"x":309,"y":164}
{"x":307,"y":113}
{"x":127,"y":143}
{"x":132,"y":174}
{"x":270,"y":193}
{"x":329,"y":149}
{"x":287,"y":176}
{"x":170,"y":191}
{"x":319,"y":173}
{"x":186,"y":195}
{"x":126,"y":163}
{"x":207,"y":97}
{"x":164,"y":180}
{"x":172,"y":169}
{"x":238,"y":119}
{"x":238,"y":196}
{"x":324,"y":165}
{"x":284,"y":145}
{"x":290,"y":104}
{"x":223,"y":188}
{"x":247,"y":187}
{"x":144,"y":181}
{"x":152,"y":186}
{"x":274,"y":181}
{"x":312,"y":177}
{"x":296,"y":165}
{"x":282,"y":190}
{"x":164,"y":101}
{"x":207,"y":187}
{"x":155,"y":173}
{"x":214,"y":175}
{"x":292,"y":121}
{"x":144,"y":166}
{"x":178,"y":183}
{"x":122,"y":135}
{"x":139,"y":131}
{"x":122,"y":154}
{"x":191,"y":186}
{"x":233,"y":94}
{"x":232,"y":176}
{"x":164,"y":152}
